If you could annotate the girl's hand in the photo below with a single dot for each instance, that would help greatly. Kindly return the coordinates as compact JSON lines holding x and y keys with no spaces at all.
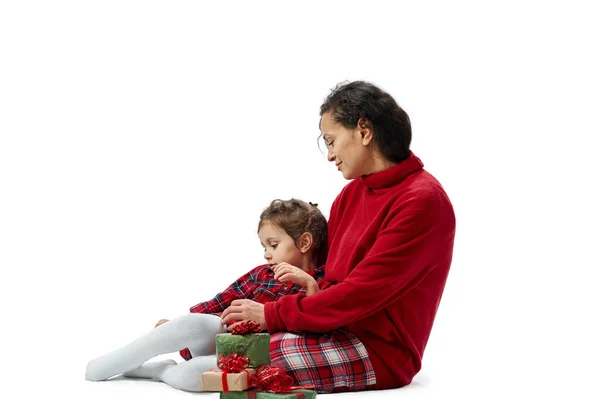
{"x":285,"y":273}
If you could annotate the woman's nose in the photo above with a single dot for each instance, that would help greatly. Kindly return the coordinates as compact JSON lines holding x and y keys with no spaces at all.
{"x":330,"y":156}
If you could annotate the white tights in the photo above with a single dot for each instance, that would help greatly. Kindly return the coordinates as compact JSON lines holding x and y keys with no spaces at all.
{"x":195,"y":331}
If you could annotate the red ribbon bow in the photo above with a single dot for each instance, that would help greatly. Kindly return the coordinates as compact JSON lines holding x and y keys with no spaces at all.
{"x":273,"y":379}
{"x":246,"y":327}
{"x":233,"y":363}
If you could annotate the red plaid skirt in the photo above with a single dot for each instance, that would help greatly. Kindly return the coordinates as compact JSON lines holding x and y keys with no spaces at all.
{"x":332,"y":362}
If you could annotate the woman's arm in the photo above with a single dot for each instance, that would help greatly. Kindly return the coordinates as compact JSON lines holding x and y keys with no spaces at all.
{"x":244,"y":309}
{"x":399,"y":259}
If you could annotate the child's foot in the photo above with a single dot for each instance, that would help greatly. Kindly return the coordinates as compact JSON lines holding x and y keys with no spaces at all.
{"x":98,"y":370}
{"x":150,"y":369}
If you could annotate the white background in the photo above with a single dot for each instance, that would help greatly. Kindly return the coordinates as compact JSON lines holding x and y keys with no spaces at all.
{"x":140,"y":140}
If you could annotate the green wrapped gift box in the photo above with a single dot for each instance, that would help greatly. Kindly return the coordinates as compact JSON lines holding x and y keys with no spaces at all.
{"x":254,"y":346}
{"x":254,"y":394}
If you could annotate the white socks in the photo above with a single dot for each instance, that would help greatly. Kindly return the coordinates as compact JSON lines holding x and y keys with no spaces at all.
{"x":152,"y":370}
{"x":184,"y":376}
{"x":195,"y":331}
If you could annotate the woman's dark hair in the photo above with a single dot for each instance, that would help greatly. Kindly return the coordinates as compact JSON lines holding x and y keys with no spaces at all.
{"x":296,"y":217}
{"x":350,"y":101}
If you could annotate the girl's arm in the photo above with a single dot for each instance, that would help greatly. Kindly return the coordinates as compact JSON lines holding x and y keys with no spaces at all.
{"x":243,"y":287}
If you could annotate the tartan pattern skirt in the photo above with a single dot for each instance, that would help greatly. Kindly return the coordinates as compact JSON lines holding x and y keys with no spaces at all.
{"x":332,"y":362}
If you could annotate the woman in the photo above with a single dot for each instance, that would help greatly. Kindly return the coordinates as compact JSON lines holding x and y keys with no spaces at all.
{"x":390,"y":241}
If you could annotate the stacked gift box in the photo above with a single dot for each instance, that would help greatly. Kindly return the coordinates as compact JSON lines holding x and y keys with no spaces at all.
{"x":243,"y":368}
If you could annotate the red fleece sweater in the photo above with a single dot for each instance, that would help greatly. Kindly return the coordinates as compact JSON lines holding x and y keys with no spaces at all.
{"x":391,"y":236}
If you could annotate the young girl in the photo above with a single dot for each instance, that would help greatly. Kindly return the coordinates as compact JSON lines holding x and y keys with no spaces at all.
{"x":292,"y":232}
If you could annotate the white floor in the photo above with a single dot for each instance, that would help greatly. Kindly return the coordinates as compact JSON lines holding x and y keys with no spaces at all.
{"x":456,"y":384}
{"x":126,"y":388}
{"x":120,"y":387}
{"x":484,"y":373}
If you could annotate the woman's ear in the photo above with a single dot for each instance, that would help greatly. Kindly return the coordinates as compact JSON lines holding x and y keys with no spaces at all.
{"x":305,"y":241}
{"x":365,"y":128}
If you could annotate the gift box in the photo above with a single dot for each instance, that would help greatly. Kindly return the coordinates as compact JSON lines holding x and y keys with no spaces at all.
{"x":254,"y":346}
{"x":271,"y":383}
{"x":256,"y":394}
{"x":218,"y":380}
{"x":250,"y":394}
{"x":292,"y":394}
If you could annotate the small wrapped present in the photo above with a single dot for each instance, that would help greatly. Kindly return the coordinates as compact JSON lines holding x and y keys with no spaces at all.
{"x":246,"y":340}
{"x":250,"y":394}
{"x":233,"y":375}
{"x":292,"y":394}
{"x":220,"y":381}
{"x":272,"y":383}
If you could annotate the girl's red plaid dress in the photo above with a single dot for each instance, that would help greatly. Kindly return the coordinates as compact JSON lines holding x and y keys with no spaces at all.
{"x":332,"y":362}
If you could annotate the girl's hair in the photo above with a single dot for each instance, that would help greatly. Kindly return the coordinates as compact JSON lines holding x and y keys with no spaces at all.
{"x":349,"y":102}
{"x":296,"y":217}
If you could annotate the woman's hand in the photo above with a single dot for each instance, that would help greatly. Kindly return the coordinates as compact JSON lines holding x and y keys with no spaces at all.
{"x":244,"y":310}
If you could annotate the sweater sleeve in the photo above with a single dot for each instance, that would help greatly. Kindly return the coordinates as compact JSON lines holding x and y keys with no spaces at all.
{"x":397,"y":261}
{"x":243,"y":287}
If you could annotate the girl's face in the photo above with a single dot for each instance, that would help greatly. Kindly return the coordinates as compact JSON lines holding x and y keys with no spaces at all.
{"x":279,"y":246}
{"x":346,"y":147}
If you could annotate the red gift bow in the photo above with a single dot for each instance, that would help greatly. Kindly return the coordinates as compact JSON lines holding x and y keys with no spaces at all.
{"x":246,"y":327}
{"x":233,"y":363}
{"x":273,"y":379}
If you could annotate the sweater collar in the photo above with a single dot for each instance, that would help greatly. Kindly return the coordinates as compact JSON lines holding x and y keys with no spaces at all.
{"x":393,"y":175}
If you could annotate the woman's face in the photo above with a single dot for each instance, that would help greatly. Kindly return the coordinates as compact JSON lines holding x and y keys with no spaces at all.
{"x":346,"y":148}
